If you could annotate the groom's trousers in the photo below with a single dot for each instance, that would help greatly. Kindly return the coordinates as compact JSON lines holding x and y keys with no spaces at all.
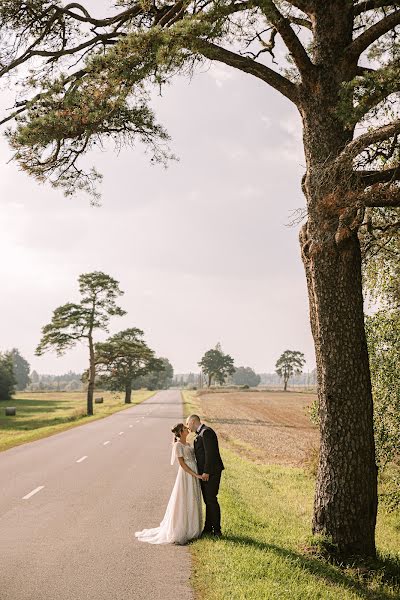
{"x":213,"y":512}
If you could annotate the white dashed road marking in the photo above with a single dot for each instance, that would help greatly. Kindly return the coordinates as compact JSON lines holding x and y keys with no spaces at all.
{"x":35,"y":491}
{"x":130,"y":425}
{"x":105,"y":443}
{"x":120,"y":433}
{"x":81,"y":459}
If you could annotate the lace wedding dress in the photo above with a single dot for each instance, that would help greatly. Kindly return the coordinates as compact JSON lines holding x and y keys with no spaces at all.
{"x":183,"y":517}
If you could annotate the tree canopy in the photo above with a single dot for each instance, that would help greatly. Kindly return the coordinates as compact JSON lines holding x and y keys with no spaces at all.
{"x":63,"y":112}
{"x":382,"y":282}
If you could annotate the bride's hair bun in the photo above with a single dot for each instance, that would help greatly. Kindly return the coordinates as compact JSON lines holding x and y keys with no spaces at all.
{"x":177,"y":430}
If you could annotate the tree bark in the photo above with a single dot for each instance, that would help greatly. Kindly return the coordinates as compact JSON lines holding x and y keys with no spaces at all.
{"x":285,"y":385}
{"x":128,"y":393}
{"x":92,"y":375}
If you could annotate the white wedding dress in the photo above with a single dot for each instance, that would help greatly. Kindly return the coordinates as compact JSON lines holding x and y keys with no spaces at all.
{"x":183,"y":517}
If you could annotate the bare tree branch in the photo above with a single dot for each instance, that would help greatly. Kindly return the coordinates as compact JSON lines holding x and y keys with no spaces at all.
{"x":366,"y":139}
{"x":292,"y":42}
{"x":306,"y":6}
{"x":86,"y":18}
{"x":384,"y":176}
{"x":381,"y":195}
{"x":302,"y":22}
{"x":370,"y":35}
{"x":247,"y":65}
{"x":367,"y":5}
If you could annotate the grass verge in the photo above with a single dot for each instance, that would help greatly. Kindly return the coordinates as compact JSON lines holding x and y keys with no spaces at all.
{"x":42,"y":414}
{"x":266,"y":515}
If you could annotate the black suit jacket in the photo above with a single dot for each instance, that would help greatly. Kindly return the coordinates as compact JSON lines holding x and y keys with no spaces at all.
{"x":206,"y":450}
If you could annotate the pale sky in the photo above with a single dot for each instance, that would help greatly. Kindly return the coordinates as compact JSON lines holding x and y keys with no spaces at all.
{"x":202,"y":249}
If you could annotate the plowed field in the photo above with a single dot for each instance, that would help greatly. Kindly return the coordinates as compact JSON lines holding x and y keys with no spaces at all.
{"x":270,"y":427}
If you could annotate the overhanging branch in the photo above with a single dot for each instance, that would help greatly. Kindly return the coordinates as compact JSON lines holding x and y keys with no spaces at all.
{"x":247,"y":65}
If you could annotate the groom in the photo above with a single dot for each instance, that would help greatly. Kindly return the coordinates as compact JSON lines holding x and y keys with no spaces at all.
{"x":210,"y":466}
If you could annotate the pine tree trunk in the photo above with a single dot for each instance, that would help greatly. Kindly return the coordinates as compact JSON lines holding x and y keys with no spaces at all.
{"x":92,"y":375}
{"x":128,"y":393}
{"x":345,"y":503}
{"x":346,"y":492}
{"x":285,"y":385}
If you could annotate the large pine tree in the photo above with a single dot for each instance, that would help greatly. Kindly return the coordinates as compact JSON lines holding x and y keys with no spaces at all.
{"x":343,"y":77}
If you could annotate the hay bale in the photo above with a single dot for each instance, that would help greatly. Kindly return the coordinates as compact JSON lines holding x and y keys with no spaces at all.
{"x":11,"y":411}
{"x":98,"y":400}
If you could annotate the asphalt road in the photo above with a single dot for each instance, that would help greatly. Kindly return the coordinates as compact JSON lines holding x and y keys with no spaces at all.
{"x":70,"y":504}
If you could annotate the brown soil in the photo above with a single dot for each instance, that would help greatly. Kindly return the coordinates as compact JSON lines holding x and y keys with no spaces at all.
{"x":270,"y":427}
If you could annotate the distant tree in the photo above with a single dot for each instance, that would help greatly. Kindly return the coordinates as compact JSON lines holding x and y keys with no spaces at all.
{"x":72,"y":322}
{"x":245,"y":376}
{"x":7,"y":377}
{"x":124,"y":357}
{"x":34,"y":377}
{"x":21,"y":369}
{"x":73,"y":386}
{"x":289,"y":363}
{"x":216,"y":365}
{"x":159,"y":378}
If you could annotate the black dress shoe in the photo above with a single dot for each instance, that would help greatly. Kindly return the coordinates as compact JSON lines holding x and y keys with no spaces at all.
{"x":217,"y":534}
{"x":205,"y":533}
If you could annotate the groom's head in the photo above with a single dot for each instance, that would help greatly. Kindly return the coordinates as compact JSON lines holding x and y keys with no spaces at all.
{"x":193,"y":422}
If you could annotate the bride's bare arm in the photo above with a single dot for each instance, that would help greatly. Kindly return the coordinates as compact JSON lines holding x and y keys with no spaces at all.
{"x":187,"y":469}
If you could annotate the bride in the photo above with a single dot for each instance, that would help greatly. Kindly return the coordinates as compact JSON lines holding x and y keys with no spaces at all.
{"x":183,"y":517}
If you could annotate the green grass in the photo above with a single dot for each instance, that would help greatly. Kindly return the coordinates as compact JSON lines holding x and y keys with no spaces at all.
{"x":266,"y":516}
{"x":190,"y":402}
{"x":42,"y":414}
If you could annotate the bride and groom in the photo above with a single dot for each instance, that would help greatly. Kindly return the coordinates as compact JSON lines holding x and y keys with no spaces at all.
{"x":199,"y":474}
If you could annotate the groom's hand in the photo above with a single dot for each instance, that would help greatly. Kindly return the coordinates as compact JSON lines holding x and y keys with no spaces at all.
{"x":205,"y":477}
